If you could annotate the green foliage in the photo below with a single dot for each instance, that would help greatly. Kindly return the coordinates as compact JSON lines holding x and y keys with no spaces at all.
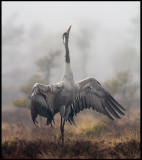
{"x":21,"y":103}
{"x":121,"y":80}
{"x":45,"y":65}
{"x":96,"y":131}
{"x":27,"y":88}
{"x":123,"y":87}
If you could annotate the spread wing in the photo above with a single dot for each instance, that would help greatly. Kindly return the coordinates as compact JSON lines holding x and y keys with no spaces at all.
{"x":42,"y":100}
{"x":93,"y":95}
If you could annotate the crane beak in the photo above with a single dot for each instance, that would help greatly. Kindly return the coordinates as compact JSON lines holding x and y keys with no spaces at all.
{"x":68,"y":30}
{"x":66,"y":34}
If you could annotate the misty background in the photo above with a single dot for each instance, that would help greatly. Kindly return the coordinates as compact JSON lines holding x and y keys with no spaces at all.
{"x":104,"y":40}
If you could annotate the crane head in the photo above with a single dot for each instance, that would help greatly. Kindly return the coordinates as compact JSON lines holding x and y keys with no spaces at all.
{"x":66,"y":35}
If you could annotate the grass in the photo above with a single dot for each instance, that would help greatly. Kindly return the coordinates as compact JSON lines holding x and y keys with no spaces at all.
{"x":107,"y":141}
{"x":41,"y":149}
{"x":93,"y":137}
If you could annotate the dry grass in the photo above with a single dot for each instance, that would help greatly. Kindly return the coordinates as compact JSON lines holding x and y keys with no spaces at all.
{"x":43,"y":143}
{"x":41,"y":149}
{"x":92,"y":138}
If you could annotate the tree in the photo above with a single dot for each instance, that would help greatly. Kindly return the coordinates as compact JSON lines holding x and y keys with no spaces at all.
{"x":124,"y":89}
{"x":128,"y":55}
{"x":12,"y":34}
{"x":26,"y":89}
{"x":83,"y":42}
{"x":45,"y":66}
{"x":48,"y":63}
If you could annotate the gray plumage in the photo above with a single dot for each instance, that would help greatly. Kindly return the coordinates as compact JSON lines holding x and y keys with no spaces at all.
{"x":68,"y":97}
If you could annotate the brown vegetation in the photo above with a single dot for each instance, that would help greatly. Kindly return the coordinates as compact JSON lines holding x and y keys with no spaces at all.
{"x":100,"y":140}
{"x":35,"y":149}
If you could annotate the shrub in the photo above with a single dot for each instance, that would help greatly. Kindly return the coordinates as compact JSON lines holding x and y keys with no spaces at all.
{"x":96,"y":131}
{"x":21,"y":103}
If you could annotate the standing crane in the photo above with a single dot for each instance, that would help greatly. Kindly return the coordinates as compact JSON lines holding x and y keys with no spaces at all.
{"x":68,"y":97}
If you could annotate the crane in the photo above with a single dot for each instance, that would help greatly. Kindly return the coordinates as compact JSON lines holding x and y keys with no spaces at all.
{"x":68,"y":97}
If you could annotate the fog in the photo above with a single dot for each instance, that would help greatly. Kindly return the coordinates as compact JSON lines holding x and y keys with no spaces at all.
{"x":104,"y":39}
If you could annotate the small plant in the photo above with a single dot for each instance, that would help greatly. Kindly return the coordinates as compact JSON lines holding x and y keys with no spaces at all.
{"x":21,"y":103}
{"x":96,"y":131}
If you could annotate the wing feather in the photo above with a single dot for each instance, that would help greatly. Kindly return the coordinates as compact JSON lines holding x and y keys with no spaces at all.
{"x":112,"y":111}
{"x":116,"y":103}
{"x":115,"y":107}
{"x":42,"y":100}
{"x":93,"y":95}
{"x":107,"y":113}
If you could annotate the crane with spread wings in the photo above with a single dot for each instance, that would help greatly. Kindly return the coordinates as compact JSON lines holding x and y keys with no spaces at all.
{"x":68,"y":97}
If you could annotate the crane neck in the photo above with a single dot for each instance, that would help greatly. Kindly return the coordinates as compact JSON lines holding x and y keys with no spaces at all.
{"x":68,"y":75}
{"x":68,"y":72}
{"x":67,"y":56}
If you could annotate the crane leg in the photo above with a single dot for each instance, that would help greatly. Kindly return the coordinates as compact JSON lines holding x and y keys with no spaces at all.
{"x":62,"y":130}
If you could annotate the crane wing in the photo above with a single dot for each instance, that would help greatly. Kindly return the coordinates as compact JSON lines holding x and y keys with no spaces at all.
{"x":93,"y":95}
{"x":42,"y":100}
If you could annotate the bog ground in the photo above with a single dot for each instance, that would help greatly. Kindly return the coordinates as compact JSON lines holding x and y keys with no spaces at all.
{"x":92,"y":138}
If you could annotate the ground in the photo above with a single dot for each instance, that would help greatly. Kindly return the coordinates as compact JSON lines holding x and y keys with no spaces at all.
{"x":94,"y":138}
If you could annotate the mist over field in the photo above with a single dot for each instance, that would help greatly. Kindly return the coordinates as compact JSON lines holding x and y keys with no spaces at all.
{"x":104,"y":44}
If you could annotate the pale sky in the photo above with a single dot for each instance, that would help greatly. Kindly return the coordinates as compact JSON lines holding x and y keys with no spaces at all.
{"x":113,"y":15}
{"x":109,"y":23}
{"x":54,"y":17}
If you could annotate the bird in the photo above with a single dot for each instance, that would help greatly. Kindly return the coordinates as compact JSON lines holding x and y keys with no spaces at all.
{"x":68,"y":97}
